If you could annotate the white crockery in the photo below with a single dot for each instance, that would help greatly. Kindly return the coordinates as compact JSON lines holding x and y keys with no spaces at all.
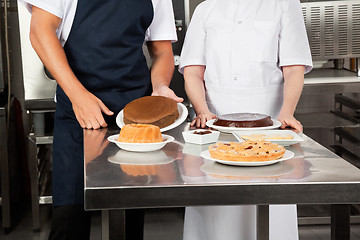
{"x":140,"y":147}
{"x":191,"y":137}
{"x":284,"y":142}
{"x":210,"y":123}
{"x":288,"y":155}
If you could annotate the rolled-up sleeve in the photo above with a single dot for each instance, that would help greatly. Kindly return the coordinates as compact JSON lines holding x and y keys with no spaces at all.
{"x":163,"y":24}
{"x":293,"y":41}
{"x":55,"y":7}
{"x":193,"y":51}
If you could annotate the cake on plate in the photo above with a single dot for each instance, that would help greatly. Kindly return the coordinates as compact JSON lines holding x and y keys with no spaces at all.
{"x":244,"y":120}
{"x":156,"y":110}
{"x":248,"y":151}
{"x":140,"y":133}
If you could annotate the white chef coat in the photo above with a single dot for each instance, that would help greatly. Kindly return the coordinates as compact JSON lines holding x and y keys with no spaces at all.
{"x":161,"y":28}
{"x":244,"y":44}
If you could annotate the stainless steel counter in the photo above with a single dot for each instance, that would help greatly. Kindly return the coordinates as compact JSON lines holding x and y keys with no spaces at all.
{"x":180,"y":177}
{"x":331,"y":81}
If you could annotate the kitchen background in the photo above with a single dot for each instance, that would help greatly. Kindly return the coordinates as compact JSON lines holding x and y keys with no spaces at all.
{"x":329,"y":107}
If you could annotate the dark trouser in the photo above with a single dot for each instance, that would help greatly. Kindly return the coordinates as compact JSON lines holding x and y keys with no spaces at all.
{"x":70,"y":223}
{"x":73,"y":223}
{"x":134,"y":224}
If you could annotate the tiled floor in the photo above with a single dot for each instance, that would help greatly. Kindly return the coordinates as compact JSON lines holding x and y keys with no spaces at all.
{"x":160,"y":224}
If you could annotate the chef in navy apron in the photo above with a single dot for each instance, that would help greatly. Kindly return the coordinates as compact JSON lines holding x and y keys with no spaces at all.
{"x":244,"y":56}
{"x":94,"y":51}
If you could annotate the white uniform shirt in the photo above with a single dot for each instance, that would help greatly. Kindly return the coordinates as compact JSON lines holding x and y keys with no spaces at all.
{"x":161,"y":28}
{"x":244,"y":43}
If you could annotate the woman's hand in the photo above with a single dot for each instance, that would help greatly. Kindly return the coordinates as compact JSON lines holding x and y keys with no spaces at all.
{"x":288,"y":120}
{"x":201,"y":119}
{"x":166,"y":92}
{"x":88,"y":110}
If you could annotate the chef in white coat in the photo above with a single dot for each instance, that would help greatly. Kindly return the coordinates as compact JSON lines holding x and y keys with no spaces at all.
{"x":244,"y":56}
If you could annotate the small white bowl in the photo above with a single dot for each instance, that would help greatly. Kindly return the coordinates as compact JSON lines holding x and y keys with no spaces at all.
{"x":191,"y":137}
{"x":140,"y":147}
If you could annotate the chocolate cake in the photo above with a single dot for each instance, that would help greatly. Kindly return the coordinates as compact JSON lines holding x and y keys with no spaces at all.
{"x":155,"y":110}
{"x":244,"y":120}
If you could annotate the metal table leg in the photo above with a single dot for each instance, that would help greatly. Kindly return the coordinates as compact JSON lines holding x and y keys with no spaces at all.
{"x":340,"y":222}
{"x":33,"y":171}
{"x":262,"y":227}
{"x":105,"y":225}
{"x":113,"y":225}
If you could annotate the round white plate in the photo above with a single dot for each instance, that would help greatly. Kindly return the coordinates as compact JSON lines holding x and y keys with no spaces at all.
{"x":140,"y":147}
{"x":140,"y":158}
{"x":210,"y":123}
{"x":288,"y":154}
{"x":183,"y":113}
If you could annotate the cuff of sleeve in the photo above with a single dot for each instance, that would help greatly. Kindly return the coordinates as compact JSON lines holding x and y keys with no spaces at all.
{"x":289,"y":62}
{"x":162,"y":37}
{"x":45,"y":6}
{"x":190,"y":62}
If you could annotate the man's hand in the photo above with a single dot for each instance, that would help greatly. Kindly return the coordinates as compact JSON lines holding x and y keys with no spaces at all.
{"x":86,"y":106}
{"x":166,"y":92}
{"x":88,"y":110}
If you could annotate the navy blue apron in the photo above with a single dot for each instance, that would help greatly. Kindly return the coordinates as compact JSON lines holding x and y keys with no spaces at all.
{"x":104,"y":49}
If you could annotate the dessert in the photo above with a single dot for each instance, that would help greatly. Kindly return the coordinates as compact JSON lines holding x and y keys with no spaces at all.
{"x":140,"y":133}
{"x":202,"y":132}
{"x":257,"y":137}
{"x":248,"y":151}
{"x":156,"y":110}
{"x":244,"y":120}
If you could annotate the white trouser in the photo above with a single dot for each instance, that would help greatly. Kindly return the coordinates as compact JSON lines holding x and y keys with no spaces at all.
{"x":238,"y":223}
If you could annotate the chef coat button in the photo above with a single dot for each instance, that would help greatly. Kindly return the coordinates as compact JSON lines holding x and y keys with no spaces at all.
{"x":235,"y":78}
{"x":239,"y":22}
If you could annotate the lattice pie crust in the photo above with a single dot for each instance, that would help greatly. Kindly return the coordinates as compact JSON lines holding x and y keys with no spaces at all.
{"x":248,"y":151}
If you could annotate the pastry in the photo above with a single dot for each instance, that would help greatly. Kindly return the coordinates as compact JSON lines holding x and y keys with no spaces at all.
{"x":140,"y":133}
{"x":248,"y":151}
{"x":155,"y":110}
{"x":257,"y":137}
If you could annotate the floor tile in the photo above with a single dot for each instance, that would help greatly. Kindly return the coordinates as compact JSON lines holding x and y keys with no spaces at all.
{"x":160,"y":224}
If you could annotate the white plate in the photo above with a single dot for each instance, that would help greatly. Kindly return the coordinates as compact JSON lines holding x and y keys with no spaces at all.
{"x":140,"y":158}
{"x":141,"y":147}
{"x":183,"y":113}
{"x":210,"y":123}
{"x":283,"y":142}
{"x":288,"y":154}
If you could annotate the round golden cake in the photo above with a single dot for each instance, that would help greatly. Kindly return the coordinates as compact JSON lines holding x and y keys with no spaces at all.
{"x":248,"y":151}
{"x":140,"y":133}
{"x":156,"y":110}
